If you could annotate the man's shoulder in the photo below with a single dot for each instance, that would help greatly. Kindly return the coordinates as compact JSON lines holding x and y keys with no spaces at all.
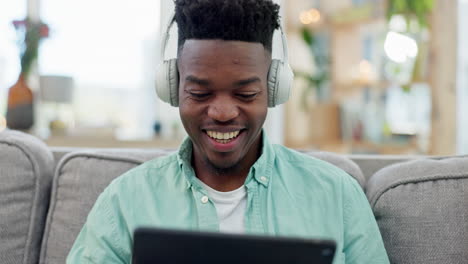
{"x":301,"y":159}
{"x":159,"y":163}
{"x":149,"y":172}
{"x":308,"y":166}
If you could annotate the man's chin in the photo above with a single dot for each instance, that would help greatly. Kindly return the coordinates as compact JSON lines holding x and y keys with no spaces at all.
{"x":223,"y":164}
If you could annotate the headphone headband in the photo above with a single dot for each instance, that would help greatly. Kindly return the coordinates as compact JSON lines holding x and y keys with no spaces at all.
{"x":167,"y":35}
{"x":172,"y":21}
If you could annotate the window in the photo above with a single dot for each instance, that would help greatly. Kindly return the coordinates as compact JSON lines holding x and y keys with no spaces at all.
{"x":9,"y":53}
{"x":109,"y":47}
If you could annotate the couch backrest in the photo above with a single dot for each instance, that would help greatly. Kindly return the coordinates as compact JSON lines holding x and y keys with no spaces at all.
{"x":78,"y":180}
{"x":370,"y":164}
{"x":421,"y":208}
{"x":81,"y":176}
{"x":26,"y":166}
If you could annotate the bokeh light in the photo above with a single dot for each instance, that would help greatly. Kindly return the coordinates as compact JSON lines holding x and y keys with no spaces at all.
{"x":2,"y":123}
{"x":311,"y":16}
{"x":399,"y":48}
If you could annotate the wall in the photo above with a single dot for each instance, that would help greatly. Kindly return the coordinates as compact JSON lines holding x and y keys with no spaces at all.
{"x":462,"y":87}
{"x":443,"y":77}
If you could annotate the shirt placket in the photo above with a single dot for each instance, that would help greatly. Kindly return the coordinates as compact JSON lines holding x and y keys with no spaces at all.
{"x":206,"y":211}
{"x":253,"y":219}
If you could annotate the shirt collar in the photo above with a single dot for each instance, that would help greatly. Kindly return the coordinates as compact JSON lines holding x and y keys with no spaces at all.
{"x":184,"y":158}
{"x":261,"y":170}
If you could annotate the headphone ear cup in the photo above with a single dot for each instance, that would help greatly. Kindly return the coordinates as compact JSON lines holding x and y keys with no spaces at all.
{"x":280,"y":79}
{"x":173,"y":81}
{"x":273,"y":82}
{"x":167,"y":82}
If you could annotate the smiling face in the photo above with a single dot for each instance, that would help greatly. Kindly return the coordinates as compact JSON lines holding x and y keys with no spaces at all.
{"x":223,"y":100}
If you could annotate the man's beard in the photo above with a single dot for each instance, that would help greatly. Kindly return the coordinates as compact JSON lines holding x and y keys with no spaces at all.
{"x":225,"y":170}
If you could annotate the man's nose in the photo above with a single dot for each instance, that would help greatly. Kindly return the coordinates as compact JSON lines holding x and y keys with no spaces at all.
{"x":223,"y":110}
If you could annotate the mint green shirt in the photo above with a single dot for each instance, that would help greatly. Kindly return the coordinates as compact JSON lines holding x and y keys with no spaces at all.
{"x":288,"y":194}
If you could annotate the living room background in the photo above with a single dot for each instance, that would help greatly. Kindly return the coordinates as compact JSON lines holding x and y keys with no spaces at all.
{"x":111,"y":49}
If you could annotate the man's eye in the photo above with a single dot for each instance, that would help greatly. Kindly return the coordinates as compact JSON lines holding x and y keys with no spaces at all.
{"x":199,"y":95}
{"x":247,"y":95}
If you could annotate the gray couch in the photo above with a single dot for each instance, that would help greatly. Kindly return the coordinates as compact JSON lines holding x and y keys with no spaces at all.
{"x":421,"y":204}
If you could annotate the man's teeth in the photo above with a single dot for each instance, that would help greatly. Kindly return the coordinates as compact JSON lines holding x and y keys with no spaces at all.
{"x":219,"y":135}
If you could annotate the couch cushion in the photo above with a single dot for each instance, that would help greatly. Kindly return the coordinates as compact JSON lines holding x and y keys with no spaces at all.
{"x":370,"y":164}
{"x":26,"y":167}
{"x":81,"y":176}
{"x":421,"y":208}
{"x":79,"y":179}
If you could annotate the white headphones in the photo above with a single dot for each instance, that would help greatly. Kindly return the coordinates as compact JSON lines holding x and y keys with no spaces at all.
{"x":280,"y":75}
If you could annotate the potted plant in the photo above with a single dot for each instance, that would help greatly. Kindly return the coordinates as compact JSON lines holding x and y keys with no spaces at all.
{"x":20,"y":96}
{"x":318,"y":80}
{"x":323,"y":113}
{"x":416,"y":16}
{"x":412,"y":10}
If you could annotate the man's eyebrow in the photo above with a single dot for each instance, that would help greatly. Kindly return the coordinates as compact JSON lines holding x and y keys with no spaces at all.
{"x":196,"y":80}
{"x":247,"y":81}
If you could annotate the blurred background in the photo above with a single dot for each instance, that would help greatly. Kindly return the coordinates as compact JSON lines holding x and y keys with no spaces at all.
{"x":371,"y":76}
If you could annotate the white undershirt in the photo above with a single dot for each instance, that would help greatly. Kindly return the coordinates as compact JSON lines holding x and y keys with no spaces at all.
{"x":230,"y":207}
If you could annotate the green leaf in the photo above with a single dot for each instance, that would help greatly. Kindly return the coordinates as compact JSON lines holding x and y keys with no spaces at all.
{"x":406,"y":88}
{"x":400,"y":5}
{"x":418,"y":9}
{"x":307,"y":36}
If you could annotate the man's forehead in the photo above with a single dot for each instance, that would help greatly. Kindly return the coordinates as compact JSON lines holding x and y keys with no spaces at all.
{"x":196,"y":48}
{"x":220,"y":53}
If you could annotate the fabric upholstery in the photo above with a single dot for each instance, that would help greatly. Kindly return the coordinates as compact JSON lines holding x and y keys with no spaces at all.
{"x":421,"y":208}
{"x":26,"y":166}
{"x":370,"y":164}
{"x":81,"y":176}
{"x":79,"y":179}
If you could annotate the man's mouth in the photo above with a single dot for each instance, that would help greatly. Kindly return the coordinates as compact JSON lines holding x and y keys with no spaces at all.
{"x":222,"y":137}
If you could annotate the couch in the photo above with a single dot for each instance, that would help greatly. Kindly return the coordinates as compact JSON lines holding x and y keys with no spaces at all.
{"x":420,"y":203}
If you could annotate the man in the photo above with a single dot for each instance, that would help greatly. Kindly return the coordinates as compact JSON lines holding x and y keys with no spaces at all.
{"x":226,"y":176}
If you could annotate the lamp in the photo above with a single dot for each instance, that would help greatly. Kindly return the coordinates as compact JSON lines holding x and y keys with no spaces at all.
{"x":56,"y":89}
{"x":59,"y":91}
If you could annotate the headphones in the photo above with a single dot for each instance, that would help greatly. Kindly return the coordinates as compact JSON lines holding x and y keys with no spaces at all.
{"x":280,"y":75}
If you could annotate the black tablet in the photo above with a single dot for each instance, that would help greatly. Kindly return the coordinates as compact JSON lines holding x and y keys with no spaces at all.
{"x":153,"y":245}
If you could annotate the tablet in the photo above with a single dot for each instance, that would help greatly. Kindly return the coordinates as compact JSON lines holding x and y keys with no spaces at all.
{"x":152,"y":245}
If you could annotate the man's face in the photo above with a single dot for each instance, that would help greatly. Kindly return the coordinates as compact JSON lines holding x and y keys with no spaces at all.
{"x":223,"y":99}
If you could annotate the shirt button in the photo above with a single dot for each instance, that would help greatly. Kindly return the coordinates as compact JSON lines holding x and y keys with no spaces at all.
{"x":204,"y":199}
{"x":263,"y":178}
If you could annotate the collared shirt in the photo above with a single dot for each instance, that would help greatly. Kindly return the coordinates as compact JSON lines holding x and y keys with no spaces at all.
{"x":288,"y":194}
{"x":230,"y":207}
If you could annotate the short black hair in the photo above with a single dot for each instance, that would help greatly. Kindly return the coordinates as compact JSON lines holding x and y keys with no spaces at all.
{"x":243,"y":20}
